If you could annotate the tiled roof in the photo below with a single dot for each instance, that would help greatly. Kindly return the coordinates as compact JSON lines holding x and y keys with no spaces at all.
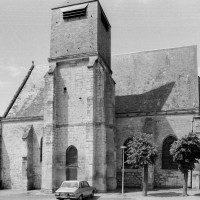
{"x":155,"y":81}
{"x":28,"y":100}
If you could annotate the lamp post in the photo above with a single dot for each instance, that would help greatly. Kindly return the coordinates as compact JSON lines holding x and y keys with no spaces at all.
{"x":123,"y":147}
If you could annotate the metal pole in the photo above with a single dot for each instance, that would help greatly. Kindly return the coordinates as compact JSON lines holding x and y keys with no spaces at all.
{"x":123,"y":147}
{"x":123,"y":172}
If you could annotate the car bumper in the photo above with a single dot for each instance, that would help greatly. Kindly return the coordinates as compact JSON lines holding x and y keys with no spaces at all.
{"x":59,"y":197}
{"x":65,"y":197}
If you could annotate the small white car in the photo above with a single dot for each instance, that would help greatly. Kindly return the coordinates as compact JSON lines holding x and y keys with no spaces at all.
{"x":75,"y":190}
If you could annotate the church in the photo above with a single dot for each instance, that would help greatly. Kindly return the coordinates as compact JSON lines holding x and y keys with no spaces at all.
{"x":68,"y":119}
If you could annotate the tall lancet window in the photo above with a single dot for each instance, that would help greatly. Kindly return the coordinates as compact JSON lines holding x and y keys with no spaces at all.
{"x":167,"y":159}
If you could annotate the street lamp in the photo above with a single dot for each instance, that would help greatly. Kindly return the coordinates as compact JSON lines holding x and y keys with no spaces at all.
{"x":123,"y":147}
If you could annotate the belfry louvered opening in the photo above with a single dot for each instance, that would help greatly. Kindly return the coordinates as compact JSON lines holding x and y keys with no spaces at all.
{"x":74,"y":11}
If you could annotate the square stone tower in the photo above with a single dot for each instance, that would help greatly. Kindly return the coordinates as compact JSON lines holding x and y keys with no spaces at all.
{"x":80,"y":28}
{"x":79,"y":104}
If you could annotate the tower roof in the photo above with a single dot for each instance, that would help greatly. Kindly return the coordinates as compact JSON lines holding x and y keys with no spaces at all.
{"x":72,"y":2}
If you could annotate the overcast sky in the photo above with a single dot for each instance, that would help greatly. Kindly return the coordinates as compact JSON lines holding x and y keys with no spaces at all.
{"x":137,"y":25}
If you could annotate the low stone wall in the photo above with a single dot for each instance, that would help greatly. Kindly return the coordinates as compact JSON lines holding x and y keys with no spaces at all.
{"x":162,"y":178}
{"x":168,"y":178}
{"x":132,"y":178}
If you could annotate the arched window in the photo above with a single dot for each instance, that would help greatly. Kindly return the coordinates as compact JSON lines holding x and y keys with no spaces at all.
{"x":167,"y":159}
{"x":126,"y":165}
{"x":41,"y":148}
{"x":72,"y":156}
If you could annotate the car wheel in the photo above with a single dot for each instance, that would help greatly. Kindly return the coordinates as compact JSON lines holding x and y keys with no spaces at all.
{"x":80,"y":198}
{"x":92,"y":195}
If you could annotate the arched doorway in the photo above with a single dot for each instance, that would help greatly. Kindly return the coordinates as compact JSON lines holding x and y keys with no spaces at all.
{"x":71,"y":163}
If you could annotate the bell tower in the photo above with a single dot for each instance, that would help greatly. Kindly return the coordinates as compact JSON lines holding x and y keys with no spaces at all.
{"x":80,"y":28}
{"x":79,"y":105}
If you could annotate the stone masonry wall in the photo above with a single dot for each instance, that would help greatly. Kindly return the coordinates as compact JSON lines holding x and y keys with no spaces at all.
{"x":49,"y":142}
{"x":109,"y":104}
{"x":160,"y":127}
{"x":104,"y":40}
{"x":73,"y":106}
{"x":22,"y":130}
{"x":132,"y":178}
{"x":156,"y":93}
{"x":15,"y":152}
{"x":79,"y":94}
{"x":75,"y":35}
{"x":105,"y":173}
{"x":84,"y":95}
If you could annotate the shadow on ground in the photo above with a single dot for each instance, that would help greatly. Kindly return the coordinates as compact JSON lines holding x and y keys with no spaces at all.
{"x":95,"y":197}
{"x":165,"y":194}
{"x":126,"y":190}
{"x":198,"y":195}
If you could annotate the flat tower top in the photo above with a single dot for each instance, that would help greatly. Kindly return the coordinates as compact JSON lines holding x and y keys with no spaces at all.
{"x":72,"y":2}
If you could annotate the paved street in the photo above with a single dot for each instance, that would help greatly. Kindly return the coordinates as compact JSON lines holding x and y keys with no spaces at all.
{"x":129,"y":195}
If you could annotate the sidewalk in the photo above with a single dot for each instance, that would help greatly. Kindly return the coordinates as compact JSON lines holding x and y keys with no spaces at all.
{"x":131,"y":194}
{"x":159,"y":194}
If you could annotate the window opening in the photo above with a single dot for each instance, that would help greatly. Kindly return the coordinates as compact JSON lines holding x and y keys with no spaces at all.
{"x":167,"y":159}
{"x":74,"y":11}
{"x":71,"y":156}
{"x":71,"y":163}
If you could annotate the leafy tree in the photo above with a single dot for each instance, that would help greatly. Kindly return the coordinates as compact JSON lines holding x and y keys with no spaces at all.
{"x":186,"y":152}
{"x":141,"y":152}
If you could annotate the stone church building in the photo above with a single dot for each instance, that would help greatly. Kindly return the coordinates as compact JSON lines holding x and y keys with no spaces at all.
{"x":68,"y":119}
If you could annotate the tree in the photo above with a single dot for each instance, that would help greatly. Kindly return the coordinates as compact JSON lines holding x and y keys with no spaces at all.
{"x":186,"y":152}
{"x":141,"y":152}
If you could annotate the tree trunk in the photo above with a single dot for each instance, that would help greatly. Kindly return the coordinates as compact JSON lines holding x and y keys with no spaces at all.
{"x":185,"y":180}
{"x":145,"y":180}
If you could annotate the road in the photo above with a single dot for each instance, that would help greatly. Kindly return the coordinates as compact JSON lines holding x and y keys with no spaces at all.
{"x":167,"y":194}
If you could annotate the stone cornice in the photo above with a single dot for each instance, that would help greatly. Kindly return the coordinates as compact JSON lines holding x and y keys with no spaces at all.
{"x":72,"y":57}
{"x":170,"y":112}
{"x":22,"y":119}
{"x":85,"y":124}
{"x":93,"y":56}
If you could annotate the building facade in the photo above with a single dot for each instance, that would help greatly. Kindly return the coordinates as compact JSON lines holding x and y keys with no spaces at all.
{"x":68,"y":119}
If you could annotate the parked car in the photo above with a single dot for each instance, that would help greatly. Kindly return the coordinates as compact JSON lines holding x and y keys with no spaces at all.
{"x":75,"y":190}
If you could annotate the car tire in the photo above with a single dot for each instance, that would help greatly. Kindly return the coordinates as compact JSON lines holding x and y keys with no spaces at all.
{"x":80,"y":198}
{"x":92,"y":195}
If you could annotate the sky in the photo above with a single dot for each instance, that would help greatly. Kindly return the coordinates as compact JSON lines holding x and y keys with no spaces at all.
{"x":137,"y":25}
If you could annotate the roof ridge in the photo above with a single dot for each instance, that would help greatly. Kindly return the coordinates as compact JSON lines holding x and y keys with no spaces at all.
{"x":19,"y":90}
{"x":153,"y":50}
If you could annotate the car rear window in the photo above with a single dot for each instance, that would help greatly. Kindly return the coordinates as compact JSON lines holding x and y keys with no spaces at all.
{"x":70,"y":184}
